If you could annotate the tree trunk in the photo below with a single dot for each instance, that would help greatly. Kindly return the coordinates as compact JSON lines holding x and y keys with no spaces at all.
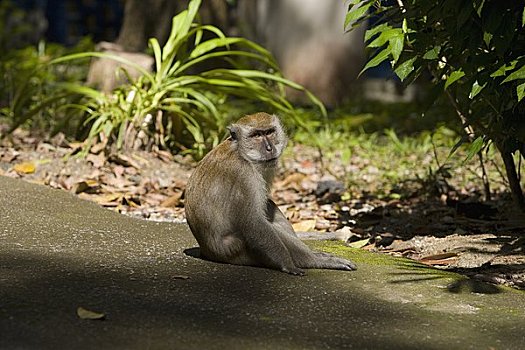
{"x":144,"y":19}
{"x":309,"y":43}
{"x":514,"y":182}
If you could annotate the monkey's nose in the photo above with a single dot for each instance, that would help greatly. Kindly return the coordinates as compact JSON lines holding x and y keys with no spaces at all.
{"x":268,"y":145}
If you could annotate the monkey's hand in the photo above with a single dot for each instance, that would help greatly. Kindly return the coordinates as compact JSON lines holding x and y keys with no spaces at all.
{"x":293,"y":271}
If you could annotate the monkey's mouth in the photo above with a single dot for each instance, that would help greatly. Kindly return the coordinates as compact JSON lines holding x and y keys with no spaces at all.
{"x":269,"y":161}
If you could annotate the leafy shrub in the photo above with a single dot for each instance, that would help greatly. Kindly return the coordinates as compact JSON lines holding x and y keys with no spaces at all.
{"x":27,"y":78}
{"x":475,"y":52}
{"x":31,"y":88}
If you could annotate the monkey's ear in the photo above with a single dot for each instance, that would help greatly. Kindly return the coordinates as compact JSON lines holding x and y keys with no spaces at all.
{"x":233,"y":132}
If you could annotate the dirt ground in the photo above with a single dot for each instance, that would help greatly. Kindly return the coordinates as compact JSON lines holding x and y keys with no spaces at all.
{"x":485,"y":241}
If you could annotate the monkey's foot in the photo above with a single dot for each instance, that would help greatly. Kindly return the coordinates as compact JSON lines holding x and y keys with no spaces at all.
{"x":293,"y":271}
{"x":329,"y":261}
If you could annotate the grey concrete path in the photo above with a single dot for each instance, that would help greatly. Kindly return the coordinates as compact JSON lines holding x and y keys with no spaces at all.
{"x":58,"y":253}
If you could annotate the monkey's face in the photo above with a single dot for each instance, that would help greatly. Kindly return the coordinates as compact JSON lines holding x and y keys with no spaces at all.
{"x":259,"y":138}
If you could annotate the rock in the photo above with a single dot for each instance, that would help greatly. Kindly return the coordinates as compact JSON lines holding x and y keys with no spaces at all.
{"x":329,"y":191}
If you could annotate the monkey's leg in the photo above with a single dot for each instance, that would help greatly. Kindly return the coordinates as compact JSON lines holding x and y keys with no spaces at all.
{"x":301,"y":254}
{"x":277,"y":218}
{"x":266,"y":247}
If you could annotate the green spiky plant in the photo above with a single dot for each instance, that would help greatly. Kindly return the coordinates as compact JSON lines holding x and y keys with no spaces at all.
{"x":178,"y":106}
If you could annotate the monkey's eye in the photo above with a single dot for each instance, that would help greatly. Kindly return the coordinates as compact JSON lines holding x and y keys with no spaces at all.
{"x":262,"y":133}
{"x":233,"y":135}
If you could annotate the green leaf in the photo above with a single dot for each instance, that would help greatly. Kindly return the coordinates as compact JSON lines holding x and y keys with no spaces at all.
{"x":375,"y":30}
{"x":96,"y":127}
{"x":121,"y":134}
{"x":181,"y":24}
{"x":396,"y":46}
{"x":474,"y":148}
{"x":267,"y":60}
{"x":157,"y":53}
{"x":388,"y":35}
{"x":212,"y":29}
{"x":379,"y":58}
{"x":503,"y":69}
{"x":81,"y":89}
{"x":487,"y":38}
{"x":453,"y":77}
{"x":202,"y":100}
{"x":520,"y":90}
{"x":107,"y":128}
{"x":433,"y":53}
{"x":523,"y":18}
{"x":90,"y":54}
{"x":198,"y":36}
{"x":180,"y":31}
{"x":405,"y":68}
{"x":177,"y":23}
{"x":357,"y":13}
{"x":519,"y":74}
{"x":461,"y":141}
{"x":404,"y":26}
{"x":476,"y":89}
{"x":479,"y":7}
{"x":212,"y":44}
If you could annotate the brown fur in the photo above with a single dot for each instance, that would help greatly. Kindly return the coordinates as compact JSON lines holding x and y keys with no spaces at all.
{"x":229,"y":210}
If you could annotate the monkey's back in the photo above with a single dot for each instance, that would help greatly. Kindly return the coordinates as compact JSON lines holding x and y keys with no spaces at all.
{"x":215,"y":201}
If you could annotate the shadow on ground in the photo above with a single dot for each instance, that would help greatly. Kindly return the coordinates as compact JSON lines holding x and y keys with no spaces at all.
{"x":58,"y":253}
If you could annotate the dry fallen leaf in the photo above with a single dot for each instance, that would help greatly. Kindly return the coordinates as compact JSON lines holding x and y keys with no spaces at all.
{"x":322,"y":225}
{"x":25,"y":168}
{"x":98,"y":160}
{"x":76,"y":145}
{"x":439,"y":259}
{"x":180,"y":277}
{"x":124,"y":160}
{"x":165,"y":156}
{"x":359,"y":244}
{"x":9,"y":156}
{"x":344,"y":233}
{"x":131,"y":201}
{"x":293,"y":179}
{"x":439,"y":256}
{"x":171,"y":201}
{"x":89,"y":315}
{"x":83,"y":186}
{"x":304,"y":226}
{"x":106,"y":200}
{"x":98,"y":147}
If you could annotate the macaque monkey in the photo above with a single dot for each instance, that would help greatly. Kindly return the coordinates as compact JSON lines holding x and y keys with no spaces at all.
{"x":229,"y":210}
